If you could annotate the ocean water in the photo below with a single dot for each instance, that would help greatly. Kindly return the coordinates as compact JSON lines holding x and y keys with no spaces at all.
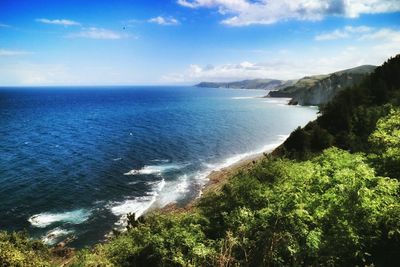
{"x":75,"y":161}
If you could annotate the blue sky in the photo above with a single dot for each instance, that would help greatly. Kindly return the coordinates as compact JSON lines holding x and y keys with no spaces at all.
{"x":186,"y":41}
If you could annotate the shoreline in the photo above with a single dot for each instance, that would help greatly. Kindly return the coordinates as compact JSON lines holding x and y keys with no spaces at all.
{"x":216,"y":179}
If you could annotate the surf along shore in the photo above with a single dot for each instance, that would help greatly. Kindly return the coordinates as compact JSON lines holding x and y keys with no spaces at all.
{"x":216,"y":180}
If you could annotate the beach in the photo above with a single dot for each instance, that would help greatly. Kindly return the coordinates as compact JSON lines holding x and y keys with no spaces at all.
{"x":217,"y":179}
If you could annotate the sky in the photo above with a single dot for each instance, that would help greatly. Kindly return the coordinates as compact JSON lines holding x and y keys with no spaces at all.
{"x":148,"y":42}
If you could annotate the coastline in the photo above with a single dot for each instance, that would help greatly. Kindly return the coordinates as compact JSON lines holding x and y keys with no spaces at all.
{"x":218,"y":178}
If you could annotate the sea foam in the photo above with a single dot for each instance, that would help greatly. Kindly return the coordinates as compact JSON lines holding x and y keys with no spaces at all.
{"x":238,"y":157}
{"x":154,"y":169}
{"x":45,"y":219}
{"x":243,"y":97}
{"x":137,"y":205}
{"x":164,"y":193}
{"x":55,"y":235}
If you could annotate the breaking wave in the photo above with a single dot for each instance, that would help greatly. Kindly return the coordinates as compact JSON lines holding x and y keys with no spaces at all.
{"x":45,"y":219}
{"x":154,"y":169}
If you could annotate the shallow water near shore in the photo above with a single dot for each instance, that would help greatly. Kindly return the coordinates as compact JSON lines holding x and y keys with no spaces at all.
{"x":75,"y":161}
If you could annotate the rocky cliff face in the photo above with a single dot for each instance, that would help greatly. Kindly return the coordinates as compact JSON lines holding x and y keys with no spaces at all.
{"x":320,"y":89}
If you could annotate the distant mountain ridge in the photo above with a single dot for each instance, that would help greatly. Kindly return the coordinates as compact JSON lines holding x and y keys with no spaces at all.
{"x":320,"y":89}
{"x":264,"y":84}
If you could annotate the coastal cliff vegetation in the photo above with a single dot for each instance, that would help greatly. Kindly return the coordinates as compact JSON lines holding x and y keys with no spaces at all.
{"x":329,"y":196}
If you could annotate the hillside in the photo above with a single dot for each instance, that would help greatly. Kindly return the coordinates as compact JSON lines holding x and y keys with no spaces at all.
{"x":264,"y":84}
{"x":320,"y":89}
{"x":348,"y":120}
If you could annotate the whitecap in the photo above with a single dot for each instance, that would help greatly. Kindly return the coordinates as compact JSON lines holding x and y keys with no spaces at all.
{"x":134,"y":182}
{"x":279,"y":101}
{"x":175,"y":190}
{"x":238,"y":157}
{"x":182,"y":186}
{"x":154,"y":169}
{"x":117,"y":159}
{"x":53,"y":236}
{"x":243,"y":97}
{"x":45,"y":219}
{"x":161,"y":160}
{"x":138,"y":205}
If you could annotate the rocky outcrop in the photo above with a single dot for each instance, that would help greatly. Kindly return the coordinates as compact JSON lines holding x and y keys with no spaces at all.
{"x":320,"y":89}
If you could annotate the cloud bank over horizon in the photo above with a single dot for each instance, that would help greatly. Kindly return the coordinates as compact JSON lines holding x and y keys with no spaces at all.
{"x":370,"y":46}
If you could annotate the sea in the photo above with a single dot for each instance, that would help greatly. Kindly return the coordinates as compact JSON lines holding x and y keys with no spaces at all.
{"x":74,"y":161}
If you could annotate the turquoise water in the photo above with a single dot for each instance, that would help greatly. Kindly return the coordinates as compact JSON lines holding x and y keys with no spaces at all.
{"x":75,"y":161}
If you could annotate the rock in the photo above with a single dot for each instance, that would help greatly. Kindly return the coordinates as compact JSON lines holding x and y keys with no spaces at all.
{"x":320,"y":89}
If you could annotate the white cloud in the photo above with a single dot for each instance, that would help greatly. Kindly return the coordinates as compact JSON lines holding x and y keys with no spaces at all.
{"x":5,"y":52}
{"x":369,"y":46}
{"x":63,"y":22}
{"x":225,"y":72}
{"x":342,"y":33}
{"x":364,"y":33}
{"x":97,"y":33}
{"x":245,"y":12}
{"x":384,"y":34}
{"x":164,"y":20}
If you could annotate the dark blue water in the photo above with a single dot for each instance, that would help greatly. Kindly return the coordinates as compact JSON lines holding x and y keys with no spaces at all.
{"x":75,"y":161}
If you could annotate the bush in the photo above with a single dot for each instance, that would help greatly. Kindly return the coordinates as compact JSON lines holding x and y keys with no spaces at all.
{"x":386,"y":144}
{"x":332,"y":209}
{"x":16,"y":249}
{"x":161,"y":240}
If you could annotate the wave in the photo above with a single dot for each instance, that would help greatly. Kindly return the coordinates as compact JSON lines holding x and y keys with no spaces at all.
{"x":176,"y":190}
{"x":183,"y":184}
{"x":137,"y":205}
{"x":55,"y":235}
{"x":202,"y":176}
{"x":160,"y":160}
{"x":243,"y":97}
{"x":45,"y":219}
{"x":278,"y":101}
{"x":237,"y":158}
{"x":164,"y":193}
{"x":154,"y":169}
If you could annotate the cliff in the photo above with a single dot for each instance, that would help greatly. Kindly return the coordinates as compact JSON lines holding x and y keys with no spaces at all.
{"x":320,"y":89}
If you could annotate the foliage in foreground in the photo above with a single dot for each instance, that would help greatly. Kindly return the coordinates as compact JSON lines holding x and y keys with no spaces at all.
{"x":17,"y":250}
{"x":330,"y":210}
{"x":162,"y":240}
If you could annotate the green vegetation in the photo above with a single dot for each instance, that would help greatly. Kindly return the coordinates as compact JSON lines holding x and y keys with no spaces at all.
{"x":329,"y":196}
{"x":17,"y":250}
{"x":386,"y":144}
{"x":330,"y":210}
{"x":350,"y":118}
